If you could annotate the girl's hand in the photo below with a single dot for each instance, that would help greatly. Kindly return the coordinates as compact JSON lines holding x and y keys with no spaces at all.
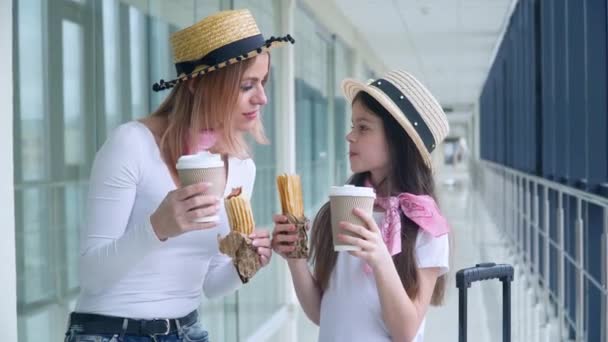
{"x":261,"y":240}
{"x":369,"y":239}
{"x":284,"y":236}
{"x":176,"y":213}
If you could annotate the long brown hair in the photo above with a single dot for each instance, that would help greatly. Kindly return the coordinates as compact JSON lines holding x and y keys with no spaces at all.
{"x":207,"y":106}
{"x":409,"y":173}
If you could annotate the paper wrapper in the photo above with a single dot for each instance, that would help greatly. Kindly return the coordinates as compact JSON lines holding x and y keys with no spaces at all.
{"x":301,"y":251}
{"x":244,"y":255}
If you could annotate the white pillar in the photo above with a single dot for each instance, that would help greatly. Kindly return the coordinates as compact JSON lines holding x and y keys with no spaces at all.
{"x":286,"y":118}
{"x":8,"y":274}
{"x":286,"y":142}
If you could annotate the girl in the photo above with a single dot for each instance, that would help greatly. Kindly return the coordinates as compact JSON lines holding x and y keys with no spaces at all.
{"x":144,"y":262}
{"x":382,"y":292}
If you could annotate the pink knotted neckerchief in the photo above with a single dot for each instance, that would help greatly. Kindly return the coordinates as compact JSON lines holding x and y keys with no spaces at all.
{"x":206,"y":139}
{"x":421,"y":209}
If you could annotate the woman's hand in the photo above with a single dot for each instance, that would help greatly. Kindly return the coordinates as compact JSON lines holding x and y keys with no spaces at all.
{"x":261,"y":240}
{"x":368,"y":238}
{"x":176,"y":213}
{"x":284,"y":236}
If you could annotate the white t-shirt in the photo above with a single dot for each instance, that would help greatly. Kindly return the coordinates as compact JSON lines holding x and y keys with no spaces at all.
{"x":350,"y":307}
{"x":125,"y":270}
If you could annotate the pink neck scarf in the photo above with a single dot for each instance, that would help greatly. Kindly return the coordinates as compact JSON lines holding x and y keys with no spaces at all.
{"x":421,"y":209}
{"x":206,"y":139}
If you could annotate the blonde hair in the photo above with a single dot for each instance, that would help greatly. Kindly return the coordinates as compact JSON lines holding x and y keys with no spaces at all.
{"x":205,"y":103}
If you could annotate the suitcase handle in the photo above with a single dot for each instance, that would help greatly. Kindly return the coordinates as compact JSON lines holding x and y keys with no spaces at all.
{"x":483,"y":271}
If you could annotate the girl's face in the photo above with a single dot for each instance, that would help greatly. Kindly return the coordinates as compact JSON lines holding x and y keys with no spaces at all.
{"x":252,"y":96}
{"x":368,"y":148}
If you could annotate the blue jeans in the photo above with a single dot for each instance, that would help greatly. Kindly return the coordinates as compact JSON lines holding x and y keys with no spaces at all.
{"x":187,"y":333}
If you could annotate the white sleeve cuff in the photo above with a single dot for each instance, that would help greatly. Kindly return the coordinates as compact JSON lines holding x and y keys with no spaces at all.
{"x":433,"y":251}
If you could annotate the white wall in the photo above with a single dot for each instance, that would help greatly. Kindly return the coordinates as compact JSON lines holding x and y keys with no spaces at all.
{"x":8,"y":309}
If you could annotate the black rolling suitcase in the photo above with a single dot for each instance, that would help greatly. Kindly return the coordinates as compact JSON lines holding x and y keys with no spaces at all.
{"x":481,"y":272}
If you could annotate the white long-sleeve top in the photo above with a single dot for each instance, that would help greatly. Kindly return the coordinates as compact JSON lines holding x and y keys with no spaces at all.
{"x":125,"y":270}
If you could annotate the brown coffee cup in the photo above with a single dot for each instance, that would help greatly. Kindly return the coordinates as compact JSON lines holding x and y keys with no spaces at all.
{"x":203,"y":167}
{"x":342,"y":201}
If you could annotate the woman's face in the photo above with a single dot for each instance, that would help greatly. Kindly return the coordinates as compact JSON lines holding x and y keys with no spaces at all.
{"x":252,"y":96}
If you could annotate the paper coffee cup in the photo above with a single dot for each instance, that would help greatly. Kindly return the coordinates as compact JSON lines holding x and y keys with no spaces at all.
{"x":342,"y":201}
{"x":203,"y":167}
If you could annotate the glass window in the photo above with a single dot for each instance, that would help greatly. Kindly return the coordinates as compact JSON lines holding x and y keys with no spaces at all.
{"x":36,"y":274}
{"x":111,"y":62}
{"x":73,"y":95}
{"x":139,"y":63}
{"x":161,"y":59}
{"x":31,"y":131}
{"x":312,"y":110}
{"x":343,"y":69}
{"x":74,"y":196}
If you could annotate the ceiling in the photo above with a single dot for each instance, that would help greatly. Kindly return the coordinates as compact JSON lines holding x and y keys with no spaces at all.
{"x":447,"y":44}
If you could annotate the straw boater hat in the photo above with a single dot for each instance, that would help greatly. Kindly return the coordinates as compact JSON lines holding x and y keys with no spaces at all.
{"x":410,"y":103}
{"x":219,"y":40}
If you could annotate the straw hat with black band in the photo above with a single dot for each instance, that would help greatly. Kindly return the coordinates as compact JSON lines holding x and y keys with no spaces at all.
{"x":218,"y":40}
{"x":411,"y":104}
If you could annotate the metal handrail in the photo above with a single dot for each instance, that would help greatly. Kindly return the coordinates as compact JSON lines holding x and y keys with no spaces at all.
{"x":589,"y":197}
{"x":514,"y":200}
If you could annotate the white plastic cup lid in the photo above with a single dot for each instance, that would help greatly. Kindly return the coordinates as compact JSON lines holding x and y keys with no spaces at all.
{"x":351,"y":190}
{"x":201,"y":160}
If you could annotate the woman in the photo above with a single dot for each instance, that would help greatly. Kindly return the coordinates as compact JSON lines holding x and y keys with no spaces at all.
{"x":144,"y":262}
